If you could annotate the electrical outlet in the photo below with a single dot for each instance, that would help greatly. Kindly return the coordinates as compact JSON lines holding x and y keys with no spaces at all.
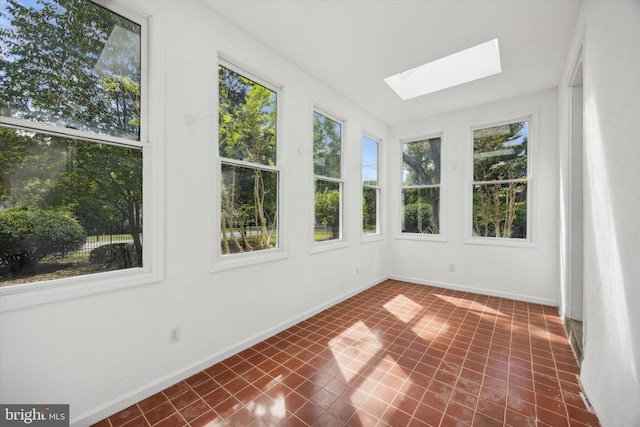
{"x":452,"y":268}
{"x":174,"y":335}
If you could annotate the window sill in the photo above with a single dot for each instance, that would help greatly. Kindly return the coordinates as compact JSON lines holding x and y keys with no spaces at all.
{"x":31,"y":294}
{"x":500,"y":241}
{"x":422,"y":237}
{"x":228,"y":262}
{"x":319,"y":247}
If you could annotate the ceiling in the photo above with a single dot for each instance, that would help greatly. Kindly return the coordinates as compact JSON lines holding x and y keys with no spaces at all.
{"x":351,"y":45}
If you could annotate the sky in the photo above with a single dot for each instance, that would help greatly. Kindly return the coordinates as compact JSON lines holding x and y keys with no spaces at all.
{"x":369,"y":159}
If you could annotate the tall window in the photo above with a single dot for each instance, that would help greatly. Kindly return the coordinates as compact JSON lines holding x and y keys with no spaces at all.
{"x":421,"y":186}
{"x":72,"y":138}
{"x":327,"y":146}
{"x":370,"y":187}
{"x":250,"y":173}
{"x":500,"y":181}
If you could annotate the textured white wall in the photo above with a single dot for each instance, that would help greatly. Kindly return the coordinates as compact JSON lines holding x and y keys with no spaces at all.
{"x":527,"y":273}
{"x":611,"y":366}
{"x":101,"y":353}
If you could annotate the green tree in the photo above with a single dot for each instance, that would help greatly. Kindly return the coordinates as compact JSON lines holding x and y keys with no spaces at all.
{"x":247,"y":133}
{"x":30,"y":165}
{"x":106,"y":181}
{"x":74,"y":64}
{"x":327,"y":207}
{"x":327,"y":143}
{"x":500,"y":154}
{"x":71,"y":63}
{"x":419,"y":210}
{"x":369,"y":210}
{"x":421,"y":167}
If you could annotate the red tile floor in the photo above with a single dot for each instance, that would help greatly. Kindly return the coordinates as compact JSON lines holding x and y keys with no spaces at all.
{"x":397,"y":354}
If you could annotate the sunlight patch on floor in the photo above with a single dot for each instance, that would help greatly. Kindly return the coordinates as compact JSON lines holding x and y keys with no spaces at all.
{"x":353,"y":349}
{"x":403,"y":308}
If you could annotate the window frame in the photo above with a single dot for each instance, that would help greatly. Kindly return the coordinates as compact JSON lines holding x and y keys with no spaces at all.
{"x":378,"y":189}
{"x":220,"y":261}
{"x":341,"y":241}
{"x":531,"y":117}
{"x":150,"y":143}
{"x":440,"y":237}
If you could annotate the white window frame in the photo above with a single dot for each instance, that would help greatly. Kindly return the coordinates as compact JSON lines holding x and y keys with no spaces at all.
{"x":222,"y":261}
{"x":341,"y":241}
{"x":440,"y":237}
{"x":527,"y":116}
{"x":151,"y":140}
{"x":378,"y":188}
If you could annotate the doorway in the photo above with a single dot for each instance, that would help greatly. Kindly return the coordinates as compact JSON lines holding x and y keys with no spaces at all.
{"x":574,"y":320}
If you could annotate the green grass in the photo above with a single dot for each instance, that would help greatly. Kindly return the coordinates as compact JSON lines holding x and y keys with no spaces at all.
{"x":69,"y":266}
{"x":106,"y":238}
{"x":321,"y":236}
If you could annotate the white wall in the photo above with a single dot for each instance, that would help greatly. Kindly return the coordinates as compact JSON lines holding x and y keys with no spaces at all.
{"x":611,"y":366}
{"x":101,"y":353}
{"x":104,"y":352}
{"x":528,"y":272}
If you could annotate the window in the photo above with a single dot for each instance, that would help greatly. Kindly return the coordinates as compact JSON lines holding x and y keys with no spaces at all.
{"x":72,"y":140}
{"x":327,"y":146}
{"x":500,"y":181}
{"x":421,"y":186}
{"x":250,"y":175}
{"x":370,"y":187}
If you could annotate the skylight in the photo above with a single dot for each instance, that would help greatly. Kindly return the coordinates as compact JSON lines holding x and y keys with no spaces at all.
{"x":465,"y":66}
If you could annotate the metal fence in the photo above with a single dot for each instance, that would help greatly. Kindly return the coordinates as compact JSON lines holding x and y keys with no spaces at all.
{"x":105,"y":233}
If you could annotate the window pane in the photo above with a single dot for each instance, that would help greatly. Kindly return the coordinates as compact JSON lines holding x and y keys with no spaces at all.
{"x":249,"y":219}
{"x":247,"y":119}
{"x":369,"y":161}
{"x":500,"y":210}
{"x":327,"y":140}
{"x":67,"y":207}
{"x":369,"y":210}
{"x":500,"y":152}
{"x":421,"y":162}
{"x":421,"y":210}
{"x":72,"y":64}
{"x":327,"y":210}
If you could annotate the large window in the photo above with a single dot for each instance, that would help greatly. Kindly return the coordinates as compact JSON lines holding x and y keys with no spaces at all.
{"x":500,"y":165}
{"x":248,"y":152}
{"x":370,"y":187}
{"x":327,"y":146}
{"x":421,"y":186}
{"x":72,"y":138}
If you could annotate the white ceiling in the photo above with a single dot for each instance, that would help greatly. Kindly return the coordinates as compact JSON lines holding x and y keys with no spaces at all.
{"x":351,"y":45}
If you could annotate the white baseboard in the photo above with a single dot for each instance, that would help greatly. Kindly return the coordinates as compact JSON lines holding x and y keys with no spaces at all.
{"x":97,"y":414}
{"x":481,"y":291}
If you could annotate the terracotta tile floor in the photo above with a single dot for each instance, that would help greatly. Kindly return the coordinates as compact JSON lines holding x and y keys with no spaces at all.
{"x":397,"y":354}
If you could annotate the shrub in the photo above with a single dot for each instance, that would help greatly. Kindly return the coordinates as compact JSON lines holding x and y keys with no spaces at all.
{"x":114,"y":256}
{"x":29,"y":235}
{"x":418,"y":217}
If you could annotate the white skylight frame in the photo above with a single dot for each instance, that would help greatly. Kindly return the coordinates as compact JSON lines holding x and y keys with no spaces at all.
{"x":465,"y":66}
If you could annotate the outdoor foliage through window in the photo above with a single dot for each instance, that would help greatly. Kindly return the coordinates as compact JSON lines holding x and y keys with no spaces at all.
{"x":70,"y":63}
{"x":327,"y":146}
{"x":370,"y":186}
{"x":421,"y":186}
{"x":247,"y":147}
{"x":500,"y":181}
{"x":68,"y":205}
